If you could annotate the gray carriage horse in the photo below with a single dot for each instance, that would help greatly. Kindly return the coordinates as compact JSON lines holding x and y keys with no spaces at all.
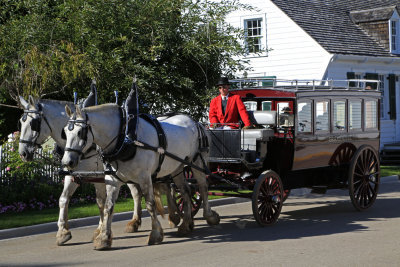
{"x":44,"y":118}
{"x":102,"y":124}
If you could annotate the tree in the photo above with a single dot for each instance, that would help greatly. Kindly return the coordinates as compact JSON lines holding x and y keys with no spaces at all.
{"x":177,"y":49}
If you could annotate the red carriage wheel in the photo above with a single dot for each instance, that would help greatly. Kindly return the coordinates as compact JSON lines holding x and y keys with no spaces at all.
{"x":196,"y":200}
{"x":364,"y":177}
{"x":267,"y":198}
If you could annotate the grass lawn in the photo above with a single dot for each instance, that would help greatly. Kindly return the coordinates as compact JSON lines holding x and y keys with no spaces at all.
{"x":390,"y":170}
{"x":33,"y":217}
{"x":26,"y":218}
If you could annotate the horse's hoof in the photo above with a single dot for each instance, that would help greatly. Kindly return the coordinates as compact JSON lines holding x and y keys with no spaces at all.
{"x":102,"y":244}
{"x":185,"y":229}
{"x":155,"y":237}
{"x":95,"y":234}
{"x":132,"y":226}
{"x":213,"y":219}
{"x":174,"y":220}
{"x":63,"y":238}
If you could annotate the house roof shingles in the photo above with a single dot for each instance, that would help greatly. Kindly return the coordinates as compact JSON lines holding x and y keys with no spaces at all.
{"x":330,"y":24}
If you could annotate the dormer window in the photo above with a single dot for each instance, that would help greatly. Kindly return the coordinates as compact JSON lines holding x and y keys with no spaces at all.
{"x":394,"y":33}
{"x":382,"y":24}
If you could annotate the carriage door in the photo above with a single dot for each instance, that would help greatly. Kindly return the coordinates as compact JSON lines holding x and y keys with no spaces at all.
{"x":312,"y":148}
{"x":304,"y":134}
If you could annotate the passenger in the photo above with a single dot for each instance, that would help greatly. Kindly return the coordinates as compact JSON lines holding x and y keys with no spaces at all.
{"x":286,"y":117}
{"x":227,"y":107}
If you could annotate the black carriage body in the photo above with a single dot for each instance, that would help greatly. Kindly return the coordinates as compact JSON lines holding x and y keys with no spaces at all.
{"x":309,"y":146}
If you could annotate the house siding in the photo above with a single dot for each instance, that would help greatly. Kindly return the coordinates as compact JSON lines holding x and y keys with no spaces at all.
{"x":293,"y":53}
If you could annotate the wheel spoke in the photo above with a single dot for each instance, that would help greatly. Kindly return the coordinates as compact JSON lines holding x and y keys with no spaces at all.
{"x":371,"y":189}
{"x":357,"y":181}
{"x":275,"y":189}
{"x":372,"y":165}
{"x":275,"y":208}
{"x":365,"y":160}
{"x":357,"y":191}
{"x":361,"y":196}
{"x":264,"y":189}
{"x":263,"y":210}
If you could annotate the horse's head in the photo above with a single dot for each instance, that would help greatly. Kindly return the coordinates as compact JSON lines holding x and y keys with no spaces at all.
{"x":77,"y":137}
{"x":32,"y":131}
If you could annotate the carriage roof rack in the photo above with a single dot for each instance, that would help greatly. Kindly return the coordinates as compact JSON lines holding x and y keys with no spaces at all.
{"x":305,"y":85}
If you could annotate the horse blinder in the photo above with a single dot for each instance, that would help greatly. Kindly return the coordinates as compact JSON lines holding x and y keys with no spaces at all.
{"x":35,"y":125}
{"x":63,"y":135}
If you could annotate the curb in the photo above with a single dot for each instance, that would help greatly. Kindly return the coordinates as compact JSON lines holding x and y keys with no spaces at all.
{"x":93,"y":220}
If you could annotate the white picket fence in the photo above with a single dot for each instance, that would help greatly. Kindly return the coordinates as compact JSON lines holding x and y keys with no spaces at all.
{"x":48,"y":170}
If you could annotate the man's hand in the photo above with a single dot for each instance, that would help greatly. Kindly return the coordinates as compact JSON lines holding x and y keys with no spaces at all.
{"x":249,"y":127}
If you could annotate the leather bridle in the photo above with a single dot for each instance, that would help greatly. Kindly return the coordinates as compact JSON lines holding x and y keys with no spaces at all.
{"x":82,"y":134}
{"x":35,"y":125}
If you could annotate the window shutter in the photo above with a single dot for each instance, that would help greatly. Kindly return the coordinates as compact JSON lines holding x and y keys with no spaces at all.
{"x":351,"y":75}
{"x":392,"y":96}
{"x":371,"y":76}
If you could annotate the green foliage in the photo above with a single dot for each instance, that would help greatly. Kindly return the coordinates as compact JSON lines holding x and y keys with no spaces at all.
{"x":176,"y":48}
{"x":15,"y":167}
{"x":24,"y":182}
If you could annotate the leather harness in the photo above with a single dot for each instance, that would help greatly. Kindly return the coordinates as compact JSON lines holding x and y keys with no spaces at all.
{"x":126,"y":148}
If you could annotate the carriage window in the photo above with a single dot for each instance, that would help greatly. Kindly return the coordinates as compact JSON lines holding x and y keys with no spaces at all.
{"x":250,"y":105}
{"x":339,"y":116}
{"x":304,"y":116}
{"x":371,"y":114}
{"x":355,"y":115}
{"x":266,"y":105}
{"x":322,"y":116}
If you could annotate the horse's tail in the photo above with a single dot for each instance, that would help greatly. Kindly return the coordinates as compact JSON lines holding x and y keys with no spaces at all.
{"x":158,"y":188}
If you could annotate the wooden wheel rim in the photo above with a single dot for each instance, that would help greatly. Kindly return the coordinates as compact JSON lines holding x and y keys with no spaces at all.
{"x":364,"y":178}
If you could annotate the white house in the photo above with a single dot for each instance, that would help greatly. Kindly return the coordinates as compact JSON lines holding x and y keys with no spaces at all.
{"x":328,"y":39}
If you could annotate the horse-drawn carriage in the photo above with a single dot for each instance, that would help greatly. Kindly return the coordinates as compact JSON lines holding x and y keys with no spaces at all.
{"x":321,"y":137}
{"x":306,"y":135}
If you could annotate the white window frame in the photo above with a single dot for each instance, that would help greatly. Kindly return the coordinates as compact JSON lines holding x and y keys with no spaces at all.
{"x":263,"y":35}
{"x":383,"y":106}
{"x":394,"y":33}
{"x":358,"y":76}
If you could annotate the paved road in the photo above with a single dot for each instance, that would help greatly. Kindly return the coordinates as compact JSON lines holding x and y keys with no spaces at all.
{"x":313,"y":230}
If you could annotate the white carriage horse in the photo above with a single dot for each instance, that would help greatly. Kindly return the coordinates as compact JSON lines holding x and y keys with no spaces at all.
{"x":44,"y":118}
{"x":102,"y":124}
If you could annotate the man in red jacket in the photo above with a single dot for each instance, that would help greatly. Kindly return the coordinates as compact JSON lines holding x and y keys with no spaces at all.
{"x":227,"y":107}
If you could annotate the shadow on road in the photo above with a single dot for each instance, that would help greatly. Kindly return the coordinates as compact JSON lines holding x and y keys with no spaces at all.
{"x":331,"y":218}
{"x":305,"y":216}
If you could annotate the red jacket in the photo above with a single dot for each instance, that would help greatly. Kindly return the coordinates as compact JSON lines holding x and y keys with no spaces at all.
{"x":234,"y":107}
